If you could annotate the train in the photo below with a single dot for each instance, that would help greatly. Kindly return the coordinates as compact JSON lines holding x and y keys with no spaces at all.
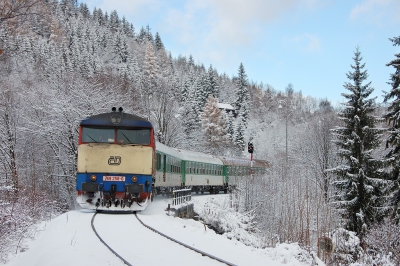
{"x":120,"y":166}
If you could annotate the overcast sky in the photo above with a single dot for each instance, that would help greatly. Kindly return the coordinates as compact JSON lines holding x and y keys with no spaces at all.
{"x":309,"y":43}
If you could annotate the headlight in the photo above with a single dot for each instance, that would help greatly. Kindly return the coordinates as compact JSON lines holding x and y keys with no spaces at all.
{"x":134,"y":179}
{"x":93,"y":178}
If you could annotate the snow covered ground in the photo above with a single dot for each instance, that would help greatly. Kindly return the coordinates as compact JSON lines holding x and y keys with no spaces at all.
{"x":69,"y":240}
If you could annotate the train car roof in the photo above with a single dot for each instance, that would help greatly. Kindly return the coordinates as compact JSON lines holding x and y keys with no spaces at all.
{"x":199,"y":157}
{"x":244,"y":162}
{"x":207,"y":158}
{"x":119,"y":119}
{"x":167,"y":150}
{"x":188,"y":155}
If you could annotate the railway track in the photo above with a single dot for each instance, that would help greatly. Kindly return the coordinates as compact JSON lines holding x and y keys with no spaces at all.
{"x":102,"y":241}
{"x":126,"y":255}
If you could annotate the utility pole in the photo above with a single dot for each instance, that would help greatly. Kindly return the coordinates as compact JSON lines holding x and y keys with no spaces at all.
{"x":287,"y":113}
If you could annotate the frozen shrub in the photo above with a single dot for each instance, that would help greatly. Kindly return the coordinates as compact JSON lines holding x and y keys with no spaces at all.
{"x":347,"y":247}
{"x":383,"y":244}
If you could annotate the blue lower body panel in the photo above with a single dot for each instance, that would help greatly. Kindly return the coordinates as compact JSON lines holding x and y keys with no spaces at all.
{"x":110,"y":191}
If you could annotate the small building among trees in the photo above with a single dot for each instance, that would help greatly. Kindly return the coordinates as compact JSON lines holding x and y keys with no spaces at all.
{"x":227,"y":108}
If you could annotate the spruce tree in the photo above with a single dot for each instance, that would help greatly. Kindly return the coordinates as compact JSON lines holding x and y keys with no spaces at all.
{"x":201,"y":94}
{"x":127,"y":27}
{"x":150,"y":68}
{"x":393,"y":119}
{"x":158,"y":42}
{"x":84,"y":10}
{"x":100,"y":17}
{"x":142,"y":36}
{"x":149,"y":35}
{"x":242,"y":105}
{"x":114,"y":21}
{"x":358,"y":185}
{"x":213,"y":85}
{"x":191,"y":62}
{"x":239,"y":131}
{"x":242,"y":102}
{"x":120,"y":47}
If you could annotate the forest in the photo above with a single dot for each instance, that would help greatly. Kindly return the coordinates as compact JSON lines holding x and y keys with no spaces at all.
{"x":334,"y":169}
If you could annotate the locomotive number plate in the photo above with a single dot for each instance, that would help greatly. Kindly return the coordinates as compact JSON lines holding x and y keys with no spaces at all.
{"x":113,"y":178}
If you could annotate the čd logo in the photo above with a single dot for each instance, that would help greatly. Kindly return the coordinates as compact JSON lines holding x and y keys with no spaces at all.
{"x":114,"y":160}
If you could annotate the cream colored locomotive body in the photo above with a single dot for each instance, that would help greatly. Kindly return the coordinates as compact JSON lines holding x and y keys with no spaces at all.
{"x":118,"y":159}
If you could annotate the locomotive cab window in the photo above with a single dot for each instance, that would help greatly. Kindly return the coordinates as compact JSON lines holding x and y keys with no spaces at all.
{"x":133,"y":136}
{"x":97,"y":135}
{"x":107,"y":135}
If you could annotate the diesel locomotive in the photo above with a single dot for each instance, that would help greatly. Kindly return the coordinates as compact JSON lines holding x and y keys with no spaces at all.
{"x":121,"y":167}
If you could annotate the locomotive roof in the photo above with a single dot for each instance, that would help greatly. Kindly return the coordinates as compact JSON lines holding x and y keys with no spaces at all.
{"x":119,"y":119}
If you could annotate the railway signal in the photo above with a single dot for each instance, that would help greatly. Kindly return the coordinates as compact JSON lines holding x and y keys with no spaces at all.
{"x":250,"y":147}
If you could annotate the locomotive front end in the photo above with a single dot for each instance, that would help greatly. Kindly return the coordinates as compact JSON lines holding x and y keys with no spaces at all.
{"x":115,"y":167}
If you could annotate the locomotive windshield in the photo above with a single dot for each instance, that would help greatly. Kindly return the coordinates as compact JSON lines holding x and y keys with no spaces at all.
{"x":116,"y":135}
{"x":136,"y":136}
{"x":98,"y":134}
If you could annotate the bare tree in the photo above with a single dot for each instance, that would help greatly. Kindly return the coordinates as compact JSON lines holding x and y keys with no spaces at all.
{"x":164,"y":109}
{"x":11,"y":10}
{"x":8,"y":135}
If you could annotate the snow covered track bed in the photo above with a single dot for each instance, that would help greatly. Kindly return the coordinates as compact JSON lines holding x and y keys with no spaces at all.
{"x":69,"y":239}
{"x":102,"y":241}
{"x":186,"y":246}
{"x":126,"y":237}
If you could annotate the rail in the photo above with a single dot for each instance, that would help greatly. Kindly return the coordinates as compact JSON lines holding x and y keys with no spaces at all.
{"x":185,"y":245}
{"x":164,"y":235}
{"x":102,"y":241}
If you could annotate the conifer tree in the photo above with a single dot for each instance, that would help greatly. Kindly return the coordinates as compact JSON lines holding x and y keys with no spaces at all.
{"x":358,"y":184}
{"x":213,"y":85}
{"x":84,"y":10}
{"x":106,"y":19}
{"x":114,"y":21}
{"x":187,"y":88}
{"x":242,"y":93}
{"x":150,"y":73}
{"x":242,"y":105}
{"x":127,"y":27}
{"x":230,"y":125}
{"x":100,"y":17}
{"x":142,"y":35}
{"x":121,"y":47}
{"x":190,"y":126}
{"x":158,"y":42}
{"x":239,"y":131}
{"x":149,"y":35}
{"x":163,"y":63}
{"x":393,"y":119}
{"x":171,"y":62}
{"x":201,"y":93}
{"x":95,"y":16}
{"x":191,"y":62}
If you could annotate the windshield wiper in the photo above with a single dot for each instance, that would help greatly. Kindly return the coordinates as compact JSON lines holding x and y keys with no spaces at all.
{"x":126,"y":138}
{"x":91,"y":138}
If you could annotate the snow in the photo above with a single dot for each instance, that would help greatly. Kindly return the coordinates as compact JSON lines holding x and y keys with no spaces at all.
{"x":69,"y":240}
